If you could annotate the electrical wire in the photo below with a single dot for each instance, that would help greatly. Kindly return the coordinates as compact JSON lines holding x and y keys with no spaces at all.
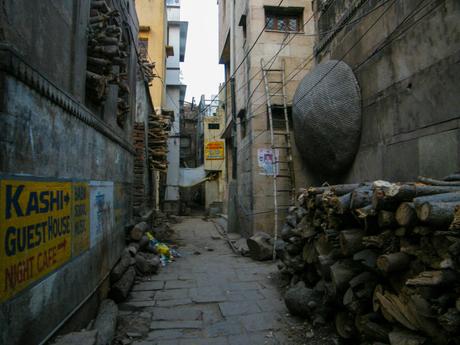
{"x":299,"y":68}
{"x":244,"y":58}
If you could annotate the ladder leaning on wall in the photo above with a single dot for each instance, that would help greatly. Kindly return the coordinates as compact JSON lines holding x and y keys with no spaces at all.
{"x":275,"y":88}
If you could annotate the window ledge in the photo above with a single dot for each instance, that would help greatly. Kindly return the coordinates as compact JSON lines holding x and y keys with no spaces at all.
{"x":285,"y":32}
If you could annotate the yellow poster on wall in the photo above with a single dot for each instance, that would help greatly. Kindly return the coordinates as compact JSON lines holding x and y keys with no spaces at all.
{"x":214,"y":150}
{"x":80,"y":218}
{"x":35,"y":232}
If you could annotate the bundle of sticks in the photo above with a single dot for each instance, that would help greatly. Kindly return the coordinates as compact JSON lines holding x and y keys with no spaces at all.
{"x":107,"y":57}
{"x":159,"y":127}
{"x":380,"y":258}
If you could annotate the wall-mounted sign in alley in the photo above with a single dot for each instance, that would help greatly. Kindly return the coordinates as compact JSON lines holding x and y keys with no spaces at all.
{"x":42,"y":226}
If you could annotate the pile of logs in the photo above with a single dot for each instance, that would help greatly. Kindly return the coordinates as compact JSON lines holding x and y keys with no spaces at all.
{"x":147,"y":68}
{"x":159,"y":127}
{"x":138,"y":259}
{"x":107,"y":57}
{"x":380,"y":258}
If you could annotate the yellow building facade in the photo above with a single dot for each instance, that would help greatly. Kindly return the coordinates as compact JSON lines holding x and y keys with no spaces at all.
{"x":153,"y":23}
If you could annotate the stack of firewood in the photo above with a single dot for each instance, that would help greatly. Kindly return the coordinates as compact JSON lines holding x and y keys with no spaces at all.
{"x":138,"y":259}
{"x":159,"y":127}
{"x":147,"y":70}
{"x":380,"y":258}
{"x":107,"y":57}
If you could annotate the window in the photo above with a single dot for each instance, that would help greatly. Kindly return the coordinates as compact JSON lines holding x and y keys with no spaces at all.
{"x":172,"y":2}
{"x":288,"y":19}
{"x":278,"y":117}
{"x":213,"y":126}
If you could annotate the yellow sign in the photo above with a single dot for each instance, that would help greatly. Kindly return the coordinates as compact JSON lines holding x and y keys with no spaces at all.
{"x":81,"y":224}
{"x":35,"y":232}
{"x":214,"y":150}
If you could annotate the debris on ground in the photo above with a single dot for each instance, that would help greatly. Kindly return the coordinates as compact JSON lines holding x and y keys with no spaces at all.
{"x":380,"y":260}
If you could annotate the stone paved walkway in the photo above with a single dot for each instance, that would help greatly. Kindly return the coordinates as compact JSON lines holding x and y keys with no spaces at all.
{"x":213,"y":298}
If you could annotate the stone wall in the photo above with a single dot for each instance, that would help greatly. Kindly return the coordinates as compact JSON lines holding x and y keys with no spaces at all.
{"x":51,"y":139}
{"x":407,"y":66}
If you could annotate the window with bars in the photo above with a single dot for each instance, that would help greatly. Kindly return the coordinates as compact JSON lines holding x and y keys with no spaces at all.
{"x":283,"y":19}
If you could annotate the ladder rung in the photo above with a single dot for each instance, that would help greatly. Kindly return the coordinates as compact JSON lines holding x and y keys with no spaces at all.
{"x":275,"y":82}
{"x":272,"y":70}
{"x":284,"y":176}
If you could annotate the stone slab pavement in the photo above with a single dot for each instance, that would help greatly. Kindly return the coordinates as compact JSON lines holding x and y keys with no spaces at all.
{"x":209,"y":296}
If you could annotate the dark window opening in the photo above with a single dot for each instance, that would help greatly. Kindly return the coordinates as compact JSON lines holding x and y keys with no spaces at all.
{"x":288,"y":19}
{"x":213,"y":126}
{"x":242,"y":23}
{"x":279,"y":122}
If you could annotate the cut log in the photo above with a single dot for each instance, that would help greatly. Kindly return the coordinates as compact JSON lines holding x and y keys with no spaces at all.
{"x":351,"y":241}
{"x":138,"y":231}
{"x":390,"y":197}
{"x":147,"y":263}
{"x":450,"y":321}
{"x":133,"y":248}
{"x":341,"y":274}
{"x":444,"y":197}
{"x":260,"y":247}
{"x":372,"y":327}
{"x":437,"y":213}
{"x":122,"y":266}
{"x":345,"y":325}
{"x":456,"y":221}
{"x":434,"y":182}
{"x":379,"y":241}
{"x":452,"y":177}
{"x":433,"y":278}
{"x":120,"y":290}
{"x":361,"y":197}
{"x":341,"y":204}
{"x":106,"y":322}
{"x":393,"y":262}
{"x":392,"y":305}
{"x":387,"y":219}
{"x":375,"y":301}
{"x":366,"y":257}
{"x":337,"y":189}
{"x":302,"y":301}
{"x":406,"y":215}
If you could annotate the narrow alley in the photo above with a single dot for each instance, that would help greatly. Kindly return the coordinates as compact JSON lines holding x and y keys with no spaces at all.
{"x":230,"y":172}
{"x":207,"y":296}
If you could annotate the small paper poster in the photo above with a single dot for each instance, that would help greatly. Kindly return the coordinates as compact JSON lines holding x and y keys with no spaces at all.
{"x":268,"y":159}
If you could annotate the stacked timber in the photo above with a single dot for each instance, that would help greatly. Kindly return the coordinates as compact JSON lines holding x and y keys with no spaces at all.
{"x":159,"y":127}
{"x":380,"y":258}
{"x":107,"y":59}
{"x":147,"y":68}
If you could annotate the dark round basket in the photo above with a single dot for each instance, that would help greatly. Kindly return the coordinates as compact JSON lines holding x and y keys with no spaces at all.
{"x":327,"y":117}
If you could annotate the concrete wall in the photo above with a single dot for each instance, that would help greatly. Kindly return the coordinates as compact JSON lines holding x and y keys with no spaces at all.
{"x":254,"y":192}
{"x":407,"y":67}
{"x":49,"y":135}
{"x":215,"y":190}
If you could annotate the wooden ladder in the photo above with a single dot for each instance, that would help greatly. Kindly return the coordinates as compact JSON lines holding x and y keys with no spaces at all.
{"x":275,"y":87}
